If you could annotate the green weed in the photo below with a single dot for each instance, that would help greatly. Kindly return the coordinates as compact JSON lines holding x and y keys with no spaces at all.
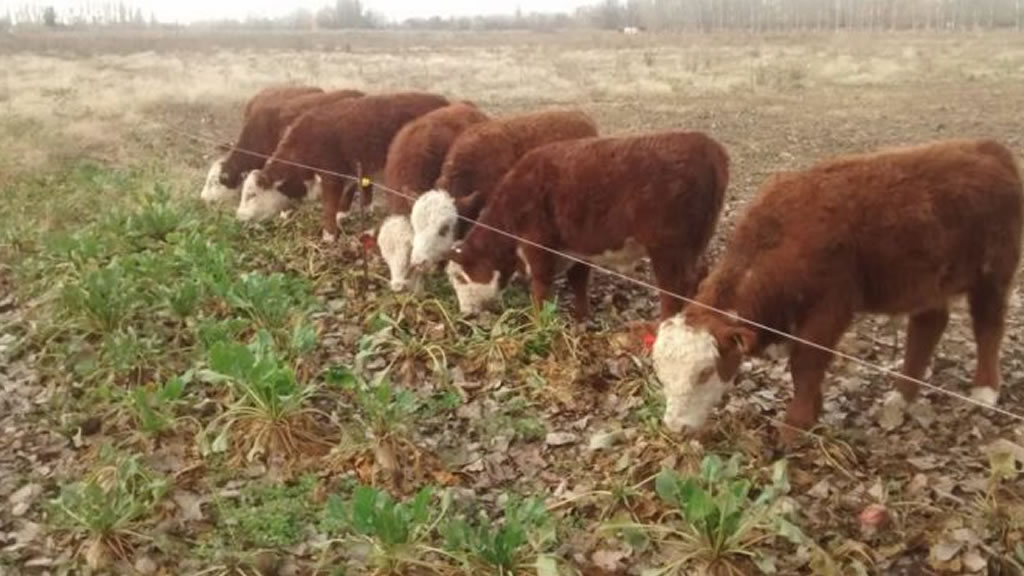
{"x":106,"y":506}
{"x":270,"y":410}
{"x":720,"y":527}
{"x":397,"y":533}
{"x":510,"y":547}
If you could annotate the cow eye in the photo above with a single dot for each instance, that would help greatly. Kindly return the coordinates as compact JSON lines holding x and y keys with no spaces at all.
{"x":444,"y":230}
{"x":705,"y":374}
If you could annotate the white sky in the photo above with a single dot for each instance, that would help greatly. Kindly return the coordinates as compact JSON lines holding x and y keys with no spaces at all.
{"x":185,"y":11}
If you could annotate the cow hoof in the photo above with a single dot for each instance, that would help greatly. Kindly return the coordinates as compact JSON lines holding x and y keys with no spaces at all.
{"x":985,"y":395}
{"x":329,"y":238}
{"x":339,"y":217}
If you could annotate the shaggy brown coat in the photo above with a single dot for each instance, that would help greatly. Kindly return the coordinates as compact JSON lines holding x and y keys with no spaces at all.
{"x":899,"y":231}
{"x":261,"y":130}
{"x":418,"y":151}
{"x":484,"y":153}
{"x":662,"y":193}
{"x":348,"y":137}
{"x":265,"y":124}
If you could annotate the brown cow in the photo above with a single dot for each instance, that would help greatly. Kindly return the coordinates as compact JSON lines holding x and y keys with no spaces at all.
{"x":899,"y":231}
{"x":413,"y":166}
{"x":475,"y":164}
{"x":610,"y":201}
{"x":348,"y":137}
{"x":260,"y":133}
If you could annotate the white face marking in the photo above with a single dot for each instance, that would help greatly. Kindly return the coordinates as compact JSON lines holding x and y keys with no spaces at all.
{"x":686,"y":362}
{"x":213,"y":190}
{"x":434,"y":218}
{"x":623,"y":260}
{"x":260,"y":203}
{"x":985,"y":395}
{"x":395,"y":241}
{"x":473,"y":297}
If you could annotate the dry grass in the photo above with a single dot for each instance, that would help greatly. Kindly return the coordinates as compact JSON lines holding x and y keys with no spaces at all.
{"x":94,"y":90}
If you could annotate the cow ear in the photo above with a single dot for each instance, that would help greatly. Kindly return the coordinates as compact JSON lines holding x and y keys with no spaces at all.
{"x":740,"y":338}
{"x":470,"y":206}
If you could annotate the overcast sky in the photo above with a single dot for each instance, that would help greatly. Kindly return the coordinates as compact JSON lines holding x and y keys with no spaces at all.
{"x":185,"y":11}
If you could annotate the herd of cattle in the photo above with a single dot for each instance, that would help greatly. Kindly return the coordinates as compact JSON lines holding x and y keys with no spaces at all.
{"x":899,"y":231}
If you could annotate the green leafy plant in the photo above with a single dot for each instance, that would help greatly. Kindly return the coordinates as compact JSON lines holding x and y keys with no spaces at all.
{"x":107,"y":505}
{"x":103,"y":298}
{"x":519,"y":333}
{"x":156,"y":217}
{"x":397,"y":532}
{"x":512,"y":546}
{"x":384,"y":411}
{"x":719,"y":526}
{"x":153,"y":406}
{"x":270,"y":411}
{"x":270,"y":300}
{"x":268,"y":515}
{"x":390,"y":338}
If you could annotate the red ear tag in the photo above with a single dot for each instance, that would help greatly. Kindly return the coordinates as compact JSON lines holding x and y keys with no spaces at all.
{"x":649,"y":338}
{"x":368,"y":241}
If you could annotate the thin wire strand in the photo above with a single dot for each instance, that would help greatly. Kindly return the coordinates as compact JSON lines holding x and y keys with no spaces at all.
{"x":636,"y":281}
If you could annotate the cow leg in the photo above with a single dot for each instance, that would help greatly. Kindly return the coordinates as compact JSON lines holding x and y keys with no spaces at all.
{"x":332,"y":193}
{"x":541,"y":265}
{"x":345,"y":204}
{"x":824,"y":326}
{"x":673,"y":274}
{"x":924,"y":330}
{"x":987,"y":303}
{"x":578,"y":277}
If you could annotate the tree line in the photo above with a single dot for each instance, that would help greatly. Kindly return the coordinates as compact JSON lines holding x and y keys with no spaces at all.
{"x":667,"y":15}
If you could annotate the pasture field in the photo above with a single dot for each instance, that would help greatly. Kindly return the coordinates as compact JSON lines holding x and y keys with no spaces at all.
{"x":180,"y":394}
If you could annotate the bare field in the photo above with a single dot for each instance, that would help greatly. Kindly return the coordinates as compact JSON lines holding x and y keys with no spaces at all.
{"x":777,"y":102}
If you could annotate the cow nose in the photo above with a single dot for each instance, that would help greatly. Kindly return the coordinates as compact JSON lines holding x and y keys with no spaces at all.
{"x":398,"y":285}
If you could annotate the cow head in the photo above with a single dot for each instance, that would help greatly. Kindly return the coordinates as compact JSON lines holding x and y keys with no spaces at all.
{"x":395,"y":242}
{"x":214,"y":189}
{"x":263,"y":198}
{"x":434,"y":218}
{"x":477,"y":282}
{"x":696,"y":364}
{"x":435,"y":223}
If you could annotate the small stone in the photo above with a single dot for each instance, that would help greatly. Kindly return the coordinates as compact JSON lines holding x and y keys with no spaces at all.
{"x":891,"y":415}
{"x":605,"y":440}
{"x":974,"y":562}
{"x":821,"y":490}
{"x":560,"y":439}
{"x":22,"y":499}
{"x":145,"y":565}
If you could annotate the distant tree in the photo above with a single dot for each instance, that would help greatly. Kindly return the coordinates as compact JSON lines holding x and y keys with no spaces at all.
{"x":349,"y":14}
{"x":610,"y":15}
{"x":50,"y":17}
{"x":327,"y":17}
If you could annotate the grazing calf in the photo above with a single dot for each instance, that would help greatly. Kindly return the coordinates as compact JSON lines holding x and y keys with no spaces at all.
{"x":349,"y":137}
{"x":413,"y":165}
{"x":607,"y":200}
{"x":260,"y":133}
{"x":476,"y":162}
{"x":899,"y":231}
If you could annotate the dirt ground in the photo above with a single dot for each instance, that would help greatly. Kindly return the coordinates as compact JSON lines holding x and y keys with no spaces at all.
{"x":777,"y":102}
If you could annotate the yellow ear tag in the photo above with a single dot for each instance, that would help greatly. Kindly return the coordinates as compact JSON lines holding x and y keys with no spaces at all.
{"x":365,"y":182}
